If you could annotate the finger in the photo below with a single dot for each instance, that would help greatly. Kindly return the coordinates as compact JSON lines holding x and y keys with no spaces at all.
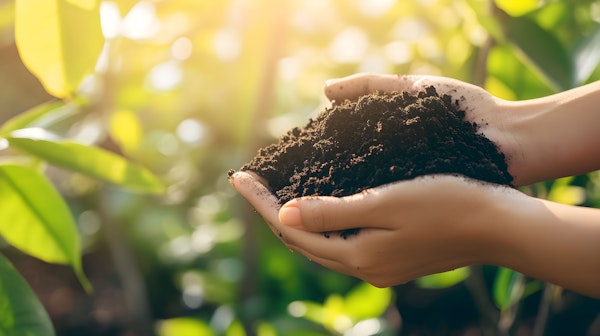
{"x":351,"y":256}
{"x":266,"y":204}
{"x":251,"y":187}
{"x":324,"y":214}
{"x":354,"y":86}
{"x":315,"y":246}
{"x":328,"y":262}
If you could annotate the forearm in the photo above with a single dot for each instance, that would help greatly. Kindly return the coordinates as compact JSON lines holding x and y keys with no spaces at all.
{"x":552,"y":242}
{"x":557,"y":136}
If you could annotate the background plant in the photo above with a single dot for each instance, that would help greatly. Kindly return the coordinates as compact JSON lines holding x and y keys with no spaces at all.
{"x":189,"y":89}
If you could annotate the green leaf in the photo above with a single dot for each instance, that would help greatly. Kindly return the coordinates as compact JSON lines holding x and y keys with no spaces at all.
{"x":91,"y":161}
{"x":517,"y":8}
{"x":586,"y":56}
{"x":563,"y":192}
{"x":508,"y":288}
{"x":184,"y":326}
{"x":481,"y":9}
{"x":378,"y":299}
{"x":59,"y":41}
{"x":42,"y":115}
{"x":444,"y":279}
{"x":505,"y":67}
{"x":21,"y":313}
{"x":35,"y":219}
{"x":541,"y":49}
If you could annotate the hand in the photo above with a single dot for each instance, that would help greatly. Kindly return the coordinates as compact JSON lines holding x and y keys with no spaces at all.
{"x":408,"y":229}
{"x":493,"y":115}
{"x":436,"y":223}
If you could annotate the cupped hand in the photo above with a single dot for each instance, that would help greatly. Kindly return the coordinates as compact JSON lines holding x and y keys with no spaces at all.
{"x":407,"y":229}
{"x":493,"y":115}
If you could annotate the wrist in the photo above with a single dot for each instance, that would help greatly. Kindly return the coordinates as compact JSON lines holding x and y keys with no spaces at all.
{"x":494,"y":231}
{"x":554,"y":136}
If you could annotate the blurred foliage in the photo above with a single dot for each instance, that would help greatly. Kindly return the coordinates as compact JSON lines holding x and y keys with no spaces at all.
{"x":189,"y":89}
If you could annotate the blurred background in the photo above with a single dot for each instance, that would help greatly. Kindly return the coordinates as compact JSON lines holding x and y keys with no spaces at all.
{"x":191,"y":88}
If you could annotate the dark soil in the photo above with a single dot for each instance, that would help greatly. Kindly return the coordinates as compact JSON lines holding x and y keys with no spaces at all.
{"x":377,"y":140}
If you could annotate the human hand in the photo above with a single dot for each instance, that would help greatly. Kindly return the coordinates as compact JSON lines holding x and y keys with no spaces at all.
{"x":407,"y":229}
{"x":435,"y":223}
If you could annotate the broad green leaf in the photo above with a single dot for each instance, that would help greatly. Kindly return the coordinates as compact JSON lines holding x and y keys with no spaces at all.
{"x":586,"y":56}
{"x":508,"y":288}
{"x":499,"y":89}
{"x":481,"y":9}
{"x":42,"y":115}
{"x":235,"y":329}
{"x":21,"y":313}
{"x":125,"y":128}
{"x":59,"y":41}
{"x":444,"y":279}
{"x":266,"y":329}
{"x":35,"y":219}
{"x":91,"y":161}
{"x":379,"y":299}
{"x":509,"y":70}
{"x":517,"y":7}
{"x":541,"y":49}
{"x":184,"y":326}
{"x":26,"y":118}
{"x":563,"y":192}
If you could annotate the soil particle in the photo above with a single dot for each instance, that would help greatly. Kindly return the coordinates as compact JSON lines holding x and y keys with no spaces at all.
{"x":378,"y":139}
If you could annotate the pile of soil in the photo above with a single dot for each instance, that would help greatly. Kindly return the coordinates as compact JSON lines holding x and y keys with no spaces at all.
{"x":378,"y":139}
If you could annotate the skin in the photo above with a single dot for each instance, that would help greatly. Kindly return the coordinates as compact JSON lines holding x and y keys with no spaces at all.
{"x":437,"y":223}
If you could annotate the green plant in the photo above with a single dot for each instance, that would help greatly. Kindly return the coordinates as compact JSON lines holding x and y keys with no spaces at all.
{"x":34,"y":216}
{"x":191,"y":89}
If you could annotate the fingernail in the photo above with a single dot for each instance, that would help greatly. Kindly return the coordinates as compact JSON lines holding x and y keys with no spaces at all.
{"x":290,"y":215}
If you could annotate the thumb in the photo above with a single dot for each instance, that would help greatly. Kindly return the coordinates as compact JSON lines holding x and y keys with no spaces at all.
{"x":323,"y":214}
{"x":353,"y":86}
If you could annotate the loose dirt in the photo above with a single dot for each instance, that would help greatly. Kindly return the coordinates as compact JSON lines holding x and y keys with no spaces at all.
{"x":378,"y":139}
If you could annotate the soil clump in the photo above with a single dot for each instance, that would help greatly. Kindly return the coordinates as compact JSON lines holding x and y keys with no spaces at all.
{"x":378,"y":139}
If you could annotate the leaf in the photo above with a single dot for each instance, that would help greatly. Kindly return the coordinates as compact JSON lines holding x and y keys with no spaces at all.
{"x":508,"y":288}
{"x":125,"y":128}
{"x":42,"y":115}
{"x":21,"y":313}
{"x":444,"y":279}
{"x":541,"y":49}
{"x":482,"y":11}
{"x":586,"y":56}
{"x":517,"y":8}
{"x":59,"y":41}
{"x":35,"y":219}
{"x":184,"y":326}
{"x":508,"y":69}
{"x":91,"y":161}
{"x":563,"y":192}
{"x":378,"y":299}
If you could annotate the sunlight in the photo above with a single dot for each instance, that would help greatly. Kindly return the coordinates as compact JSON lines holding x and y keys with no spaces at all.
{"x":349,"y":46}
{"x":141,"y":22}
{"x":365,"y":328}
{"x":398,"y":52}
{"x":110,"y":19}
{"x":410,"y":29}
{"x":165,"y":76}
{"x":181,"y":49}
{"x":191,"y":131}
{"x":375,"y":8}
{"x":297,"y":309}
{"x":227,"y":44}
